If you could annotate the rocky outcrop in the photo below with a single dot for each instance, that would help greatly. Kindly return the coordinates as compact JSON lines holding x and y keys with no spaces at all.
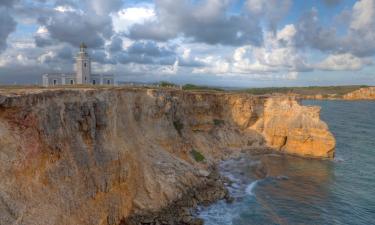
{"x":361,"y":94}
{"x":295,"y":129}
{"x":121,"y":155}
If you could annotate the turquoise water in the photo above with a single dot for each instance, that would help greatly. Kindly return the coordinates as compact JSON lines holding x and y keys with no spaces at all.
{"x":300,"y":191}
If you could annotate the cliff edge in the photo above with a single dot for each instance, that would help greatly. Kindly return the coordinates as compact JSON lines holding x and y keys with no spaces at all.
{"x":361,"y":94}
{"x":107,"y":156}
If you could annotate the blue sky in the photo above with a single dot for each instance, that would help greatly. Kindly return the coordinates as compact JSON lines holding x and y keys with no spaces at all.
{"x":213,"y":42}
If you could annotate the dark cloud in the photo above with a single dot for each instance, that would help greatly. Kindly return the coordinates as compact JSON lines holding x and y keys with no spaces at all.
{"x":149,"y":48}
{"x":206,"y":22}
{"x":147,"y":52}
{"x":73,"y":28}
{"x":87,"y":21}
{"x":116,"y":44}
{"x":310,"y":33}
{"x":41,"y":41}
{"x":7,"y":26}
{"x":8,"y":3}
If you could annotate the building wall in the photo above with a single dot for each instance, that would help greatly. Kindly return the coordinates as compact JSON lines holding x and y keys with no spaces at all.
{"x":99,"y":79}
{"x":58,"y":79}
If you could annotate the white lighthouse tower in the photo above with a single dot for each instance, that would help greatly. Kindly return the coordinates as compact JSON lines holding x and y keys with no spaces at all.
{"x":83,"y":73}
{"x":83,"y":66}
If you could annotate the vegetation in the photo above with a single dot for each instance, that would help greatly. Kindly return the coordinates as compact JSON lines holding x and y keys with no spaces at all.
{"x":167,"y":84}
{"x":311,"y":90}
{"x":194,"y":87}
{"x":218,"y":122}
{"x":198,"y":157}
{"x":178,"y":125}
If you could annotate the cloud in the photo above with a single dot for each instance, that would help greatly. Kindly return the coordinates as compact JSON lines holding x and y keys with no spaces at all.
{"x":116,"y":44}
{"x":358,"y":40}
{"x":7,"y":26}
{"x":147,"y":52}
{"x":272,"y":10}
{"x":343,"y":62}
{"x":206,"y":21}
{"x":278,"y":58}
{"x":7,"y":3}
{"x":312,"y":34}
{"x":104,"y":7}
{"x":126,"y":18}
{"x":74,"y":27}
{"x":67,"y":22}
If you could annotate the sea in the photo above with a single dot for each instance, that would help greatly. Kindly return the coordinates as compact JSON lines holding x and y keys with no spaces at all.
{"x":277,"y":189}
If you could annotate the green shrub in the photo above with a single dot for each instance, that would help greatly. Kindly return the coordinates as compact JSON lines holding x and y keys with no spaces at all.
{"x":200,"y":88}
{"x":178,"y":126}
{"x":197,"y":155}
{"x":167,"y":84}
{"x":218,"y":122}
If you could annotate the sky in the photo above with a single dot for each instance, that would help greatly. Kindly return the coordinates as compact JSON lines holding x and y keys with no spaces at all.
{"x":231,"y":43}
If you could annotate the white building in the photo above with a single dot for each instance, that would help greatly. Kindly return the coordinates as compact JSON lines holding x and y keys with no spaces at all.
{"x":83,"y":73}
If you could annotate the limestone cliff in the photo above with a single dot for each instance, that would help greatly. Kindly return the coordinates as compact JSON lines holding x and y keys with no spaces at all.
{"x":98,"y":156}
{"x":295,"y":129}
{"x":361,"y":94}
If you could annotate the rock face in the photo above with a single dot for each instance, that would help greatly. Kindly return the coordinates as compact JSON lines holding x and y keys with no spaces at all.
{"x":361,"y":94}
{"x":295,"y":129}
{"x":107,"y":156}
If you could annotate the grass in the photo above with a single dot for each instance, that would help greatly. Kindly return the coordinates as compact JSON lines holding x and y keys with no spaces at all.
{"x":178,"y":126}
{"x":198,"y":157}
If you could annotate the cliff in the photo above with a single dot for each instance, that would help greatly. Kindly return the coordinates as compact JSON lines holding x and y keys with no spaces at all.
{"x":111,"y":156}
{"x":361,"y":94}
{"x":295,"y":129}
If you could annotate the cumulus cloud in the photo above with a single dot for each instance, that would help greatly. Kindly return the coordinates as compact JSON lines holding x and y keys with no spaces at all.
{"x":126,"y":18}
{"x":312,"y":34}
{"x":7,"y":26}
{"x":343,"y":62}
{"x":272,"y":10}
{"x":278,"y":58}
{"x":68,"y":23}
{"x":147,"y":52}
{"x":359,"y":39}
{"x":7,"y":3}
{"x":205,"y":21}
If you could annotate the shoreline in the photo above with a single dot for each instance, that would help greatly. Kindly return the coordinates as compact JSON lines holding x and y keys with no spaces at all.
{"x":182,"y":211}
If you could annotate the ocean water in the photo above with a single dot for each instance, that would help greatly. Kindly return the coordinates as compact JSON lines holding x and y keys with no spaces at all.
{"x":272,"y":189}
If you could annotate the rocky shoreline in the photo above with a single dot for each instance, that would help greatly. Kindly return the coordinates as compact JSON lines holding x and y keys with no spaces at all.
{"x":182,"y":211}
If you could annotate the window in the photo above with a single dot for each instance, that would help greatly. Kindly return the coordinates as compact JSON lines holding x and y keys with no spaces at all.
{"x":85,"y":65}
{"x":54,"y":82}
{"x":93,"y":82}
{"x":71,"y":82}
{"x":108,"y":81}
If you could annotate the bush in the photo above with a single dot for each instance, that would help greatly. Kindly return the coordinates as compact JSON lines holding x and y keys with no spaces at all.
{"x":218,"y":122}
{"x":198,"y":157}
{"x":200,"y":88}
{"x":167,"y":84}
{"x":178,"y":126}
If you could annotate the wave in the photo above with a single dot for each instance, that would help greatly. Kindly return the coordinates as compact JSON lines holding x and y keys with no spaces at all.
{"x":250,"y":188}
